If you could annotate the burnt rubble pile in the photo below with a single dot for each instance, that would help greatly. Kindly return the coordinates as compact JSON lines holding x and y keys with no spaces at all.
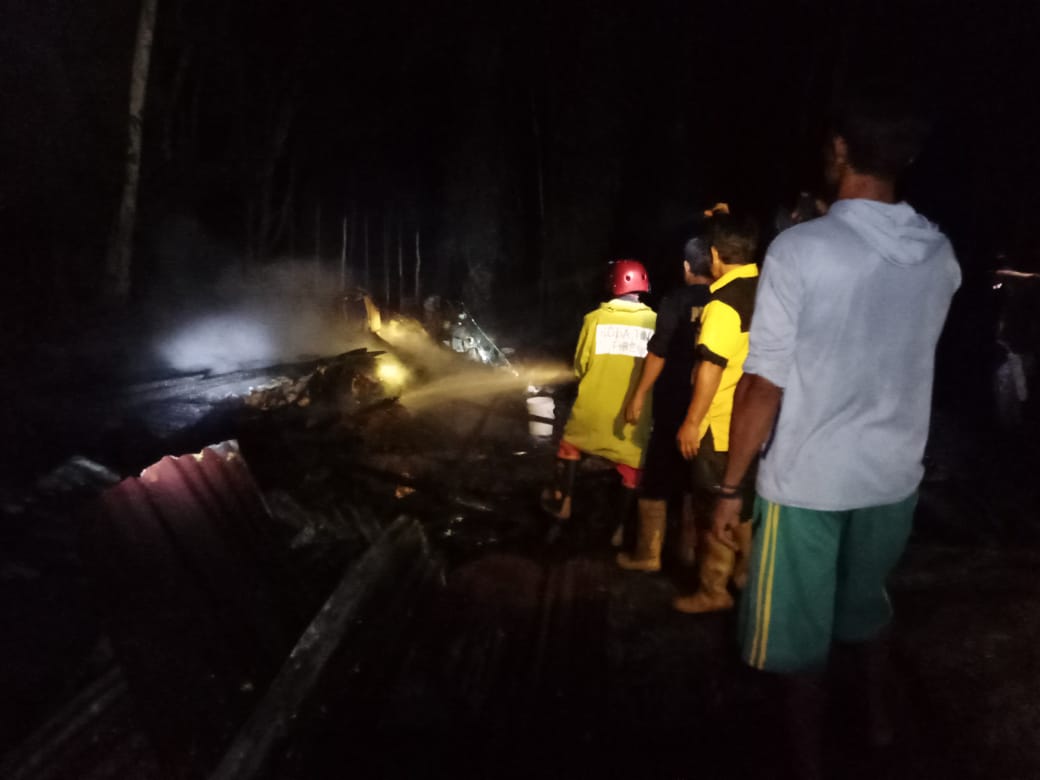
{"x":215,"y":594}
{"x":287,"y":572}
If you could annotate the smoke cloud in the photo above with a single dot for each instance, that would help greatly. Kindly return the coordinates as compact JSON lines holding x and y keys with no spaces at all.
{"x":279,"y":313}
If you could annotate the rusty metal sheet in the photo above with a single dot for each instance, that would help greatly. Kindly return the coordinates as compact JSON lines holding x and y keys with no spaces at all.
{"x":186,"y":581}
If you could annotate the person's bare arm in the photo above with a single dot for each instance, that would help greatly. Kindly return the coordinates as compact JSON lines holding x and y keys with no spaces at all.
{"x":652,"y":367}
{"x":756,"y":402}
{"x":709,"y":376}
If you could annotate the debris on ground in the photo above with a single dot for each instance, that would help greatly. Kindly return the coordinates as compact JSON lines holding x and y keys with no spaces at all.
{"x":295,"y":569}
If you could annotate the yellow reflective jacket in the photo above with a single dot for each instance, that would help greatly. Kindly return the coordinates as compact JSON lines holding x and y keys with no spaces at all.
{"x":608,"y":360}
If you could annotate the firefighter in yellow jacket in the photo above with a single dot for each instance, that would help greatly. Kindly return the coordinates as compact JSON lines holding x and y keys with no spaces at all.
{"x":608,"y":360}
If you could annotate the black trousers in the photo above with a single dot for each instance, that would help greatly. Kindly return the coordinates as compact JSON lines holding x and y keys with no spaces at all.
{"x":707,"y":471}
{"x":666,"y":473}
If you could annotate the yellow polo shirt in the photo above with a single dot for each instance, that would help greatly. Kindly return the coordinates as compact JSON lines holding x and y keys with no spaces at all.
{"x":723,"y":340}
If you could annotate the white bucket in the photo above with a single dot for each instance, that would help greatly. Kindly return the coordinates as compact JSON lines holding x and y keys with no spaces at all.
{"x":540,"y":406}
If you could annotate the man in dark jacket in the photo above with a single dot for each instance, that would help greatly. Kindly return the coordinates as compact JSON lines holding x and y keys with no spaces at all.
{"x":668,"y":372}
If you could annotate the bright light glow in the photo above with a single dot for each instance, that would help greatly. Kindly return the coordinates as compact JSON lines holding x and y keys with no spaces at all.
{"x":220,"y":344}
{"x":251,"y":335}
{"x":375,"y":318}
{"x":391,"y":372}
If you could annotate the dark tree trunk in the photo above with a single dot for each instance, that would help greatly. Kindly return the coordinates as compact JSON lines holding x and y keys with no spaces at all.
{"x":120,"y":249}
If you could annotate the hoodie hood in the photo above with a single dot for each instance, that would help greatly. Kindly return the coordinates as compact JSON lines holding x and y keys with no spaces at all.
{"x":897,"y":232}
{"x":620,"y":304}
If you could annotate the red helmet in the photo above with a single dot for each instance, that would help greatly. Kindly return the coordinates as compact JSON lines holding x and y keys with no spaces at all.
{"x":627,"y":276}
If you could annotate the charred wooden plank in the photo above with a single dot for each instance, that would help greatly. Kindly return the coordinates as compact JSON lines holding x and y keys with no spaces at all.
{"x":91,"y":736}
{"x":448,"y":493}
{"x":271,"y":721}
{"x":207,"y":384}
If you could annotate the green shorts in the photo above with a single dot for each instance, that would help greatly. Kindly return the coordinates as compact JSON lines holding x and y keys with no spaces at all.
{"x":816,"y":577}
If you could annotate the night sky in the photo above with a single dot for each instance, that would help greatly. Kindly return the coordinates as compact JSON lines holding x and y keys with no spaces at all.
{"x":527,"y":143}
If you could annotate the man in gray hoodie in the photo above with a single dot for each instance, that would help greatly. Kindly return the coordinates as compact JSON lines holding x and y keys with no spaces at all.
{"x":838,"y":379}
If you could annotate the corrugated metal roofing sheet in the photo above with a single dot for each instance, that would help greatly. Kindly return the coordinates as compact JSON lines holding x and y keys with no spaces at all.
{"x":188,"y":582}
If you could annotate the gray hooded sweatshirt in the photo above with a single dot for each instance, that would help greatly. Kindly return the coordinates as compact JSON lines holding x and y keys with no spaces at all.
{"x":849,"y":310}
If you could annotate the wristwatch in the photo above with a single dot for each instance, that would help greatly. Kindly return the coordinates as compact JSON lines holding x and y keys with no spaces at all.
{"x":726,"y":491}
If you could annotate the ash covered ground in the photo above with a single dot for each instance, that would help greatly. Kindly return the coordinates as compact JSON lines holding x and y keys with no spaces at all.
{"x":507,"y":654}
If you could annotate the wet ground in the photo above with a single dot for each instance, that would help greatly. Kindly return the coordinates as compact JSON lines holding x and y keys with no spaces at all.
{"x":532,"y":657}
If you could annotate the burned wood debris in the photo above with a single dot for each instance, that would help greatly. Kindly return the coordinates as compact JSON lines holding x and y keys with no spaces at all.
{"x":202,"y":574}
{"x":314,"y":569}
{"x":399,"y":554}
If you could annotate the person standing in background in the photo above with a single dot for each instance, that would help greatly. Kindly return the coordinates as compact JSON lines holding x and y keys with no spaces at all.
{"x":703,"y":437}
{"x":668,"y":373}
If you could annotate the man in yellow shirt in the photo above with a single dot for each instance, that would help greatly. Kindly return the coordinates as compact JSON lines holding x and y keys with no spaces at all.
{"x":610,"y":354}
{"x":703,"y":437}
